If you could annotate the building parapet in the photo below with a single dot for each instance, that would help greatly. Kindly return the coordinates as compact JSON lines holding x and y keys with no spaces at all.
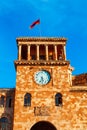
{"x":79,"y":80}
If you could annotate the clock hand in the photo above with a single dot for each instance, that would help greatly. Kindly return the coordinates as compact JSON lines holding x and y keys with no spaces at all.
{"x":41,"y":78}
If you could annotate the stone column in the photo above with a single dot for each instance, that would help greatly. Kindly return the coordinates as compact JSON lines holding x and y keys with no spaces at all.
{"x":37,"y":52}
{"x":46,"y":52}
{"x":64,"y":48}
{"x":19,"y":52}
{"x":29,"y":57}
{"x":55,"y":51}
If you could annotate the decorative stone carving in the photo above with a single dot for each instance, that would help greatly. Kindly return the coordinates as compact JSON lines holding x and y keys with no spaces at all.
{"x":41,"y":111}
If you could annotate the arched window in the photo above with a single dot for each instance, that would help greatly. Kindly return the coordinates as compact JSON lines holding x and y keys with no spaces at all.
{"x":8,"y":101}
{"x":4,"y":124}
{"x":2,"y":101}
{"x":27,"y":99}
{"x":58,"y":99}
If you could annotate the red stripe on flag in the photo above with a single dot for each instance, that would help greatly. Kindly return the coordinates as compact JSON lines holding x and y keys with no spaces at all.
{"x":34,"y":23}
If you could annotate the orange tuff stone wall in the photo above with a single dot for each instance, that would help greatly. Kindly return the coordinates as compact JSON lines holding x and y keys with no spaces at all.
{"x":72,"y":115}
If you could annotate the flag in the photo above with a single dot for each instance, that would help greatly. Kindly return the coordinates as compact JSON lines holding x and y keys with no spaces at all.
{"x":34,"y":23}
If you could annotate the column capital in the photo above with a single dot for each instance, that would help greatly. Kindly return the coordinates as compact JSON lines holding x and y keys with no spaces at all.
{"x":37,"y":44}
{"x":20,"y":44}
{"x":54,"y":44}
{"x":46,"y":44}
{"x":28,"y":44}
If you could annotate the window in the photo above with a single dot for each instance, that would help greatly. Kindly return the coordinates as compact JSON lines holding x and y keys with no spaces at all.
{"x":4,"y":124}
{"x":27,"y":99}
{"x":8,"y":101}
{"x":2,"y":101}
{"x":58,"y":99}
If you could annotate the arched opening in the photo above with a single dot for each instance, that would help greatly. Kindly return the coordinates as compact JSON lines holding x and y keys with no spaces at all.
{"x":43,"y":125}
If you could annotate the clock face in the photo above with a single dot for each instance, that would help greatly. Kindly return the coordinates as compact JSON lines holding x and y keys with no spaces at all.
{"x":42,"y":77}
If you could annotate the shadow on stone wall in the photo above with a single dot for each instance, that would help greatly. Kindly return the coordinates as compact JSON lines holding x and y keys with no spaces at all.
{"x":6,"y":109}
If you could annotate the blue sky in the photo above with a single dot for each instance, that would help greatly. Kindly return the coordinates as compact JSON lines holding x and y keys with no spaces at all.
{"x":59,"y":18}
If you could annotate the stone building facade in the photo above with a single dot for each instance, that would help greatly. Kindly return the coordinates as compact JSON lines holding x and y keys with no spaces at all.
{"x":46,"y":95}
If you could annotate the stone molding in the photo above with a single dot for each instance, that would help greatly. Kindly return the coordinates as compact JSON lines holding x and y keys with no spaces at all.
{"x":43,"y":62}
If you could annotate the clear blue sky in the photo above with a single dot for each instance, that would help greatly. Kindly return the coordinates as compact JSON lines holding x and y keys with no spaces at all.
{"x":59,"y":18}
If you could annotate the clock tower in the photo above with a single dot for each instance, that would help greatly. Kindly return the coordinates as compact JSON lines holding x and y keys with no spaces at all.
{"x":43,"y":80}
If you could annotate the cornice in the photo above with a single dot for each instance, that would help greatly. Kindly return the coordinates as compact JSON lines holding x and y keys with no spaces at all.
{"x":44,"y":62}
{"x":44,"y":39}
{"x":78,"y":88}
{"x":7,"y":89}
